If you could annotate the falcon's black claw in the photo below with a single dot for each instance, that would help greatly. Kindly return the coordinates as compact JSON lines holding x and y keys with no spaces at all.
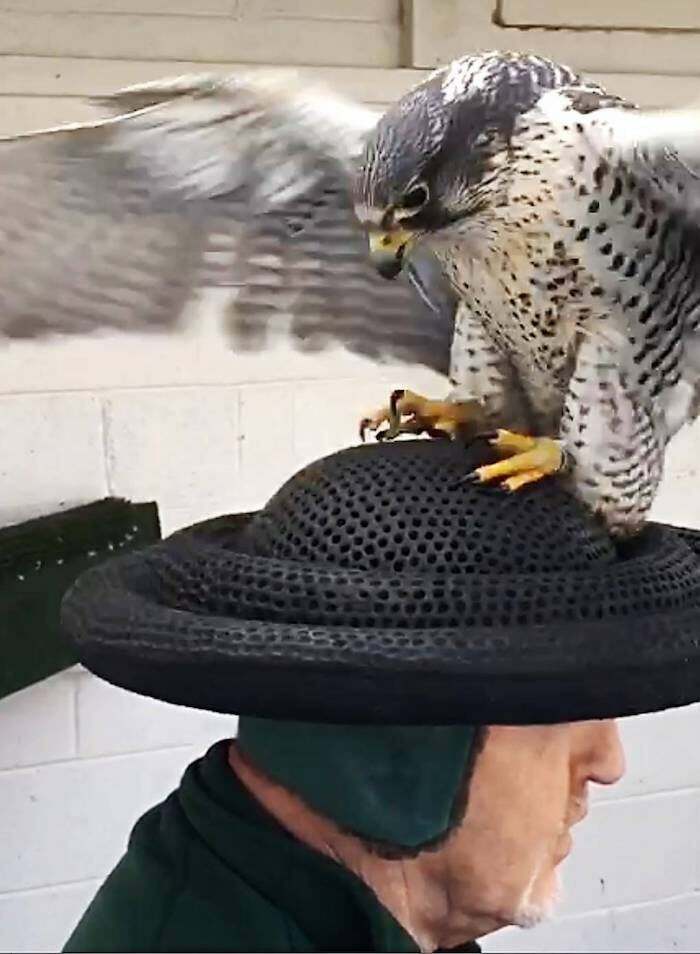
{"x":484,"y":436}
{"x":438,"y":434}
{"x":471,"y":478}
{"x":394,"y":399}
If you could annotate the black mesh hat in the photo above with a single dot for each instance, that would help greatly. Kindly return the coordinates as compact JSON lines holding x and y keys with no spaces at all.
{"x":376,"y":587}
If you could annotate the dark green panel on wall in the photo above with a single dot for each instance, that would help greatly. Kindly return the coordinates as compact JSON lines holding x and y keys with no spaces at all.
{"x":39,"y":560}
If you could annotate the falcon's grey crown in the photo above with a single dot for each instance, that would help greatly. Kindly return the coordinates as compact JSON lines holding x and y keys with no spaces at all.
{"x":444,"y":136}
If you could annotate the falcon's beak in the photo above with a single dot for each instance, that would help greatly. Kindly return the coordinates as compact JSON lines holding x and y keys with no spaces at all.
{"x":387,"y":250}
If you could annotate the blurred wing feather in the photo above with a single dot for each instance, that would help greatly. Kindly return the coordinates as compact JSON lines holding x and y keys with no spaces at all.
{"x":660,"y":146}
{"x":202,"y":181}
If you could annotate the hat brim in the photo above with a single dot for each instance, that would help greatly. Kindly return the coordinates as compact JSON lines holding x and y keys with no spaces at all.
{"x":622,"y":664}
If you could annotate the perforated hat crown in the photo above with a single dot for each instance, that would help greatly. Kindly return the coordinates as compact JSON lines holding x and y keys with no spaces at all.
{"x":376,"y":586}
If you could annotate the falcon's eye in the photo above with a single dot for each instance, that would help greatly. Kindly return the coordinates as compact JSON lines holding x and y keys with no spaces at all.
{"x":415,"y":198}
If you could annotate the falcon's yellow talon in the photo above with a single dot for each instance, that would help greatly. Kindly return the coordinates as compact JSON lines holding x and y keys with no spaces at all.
{"x":520,"y":480}
{"x":513,"y":443}
{"x":411,"y":413}
{"x":531,"y":459}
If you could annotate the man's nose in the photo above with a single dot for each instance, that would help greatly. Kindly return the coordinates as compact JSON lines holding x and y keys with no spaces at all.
{"x":606,"y":757}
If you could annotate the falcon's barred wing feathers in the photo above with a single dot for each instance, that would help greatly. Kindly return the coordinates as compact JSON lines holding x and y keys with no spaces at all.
{"x":204,"y":181}
{"x":636,"y":200}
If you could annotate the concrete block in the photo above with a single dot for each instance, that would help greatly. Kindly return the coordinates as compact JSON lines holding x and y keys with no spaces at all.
{"x":112,"y":721}
{"x":267,"y":443}
{"x":597,"y":14}
{"x":286,"y":425}
{"x":72,"y":76}
{"x":27,"y":113}
{"x":585,"y":934}
{"x":636,"y":850}
{"x":52,"y":455}
{"x":370,"y":11}
{"x":681,"y":457}
{"x":326,"y":414}
{"x":175,"y":446}
{"x":247,"y":38}
{"x":42,"y":920}
{"x":441,"y":31}
{"x":671,"y":925}
{"x":677,"y":499}
{"x":197,"y":353}
{"x":70,"y":821}
{"x":673,"y":733}
{"x":175,"y":518}
{"x":677,"y":502}
{"x":37,"y":724}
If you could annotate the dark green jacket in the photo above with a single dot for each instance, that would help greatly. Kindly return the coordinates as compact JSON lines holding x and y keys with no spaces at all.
{"x":210,"y":870}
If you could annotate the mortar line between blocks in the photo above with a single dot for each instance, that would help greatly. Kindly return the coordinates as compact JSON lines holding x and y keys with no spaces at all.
{"x":293,"y":423}
{"x":658,"y":793}
{"x":633,"y":905}
{"x":630,"y":906}
{"x":241,"y":432}
{"x":76,"y":718}
{"x":206,"y":17}
{"x":82,"y":759}
{"x":603,"y":908}
{"x":18,"y":892}
{"x":223,"y":384}
{"x":104,"y":432}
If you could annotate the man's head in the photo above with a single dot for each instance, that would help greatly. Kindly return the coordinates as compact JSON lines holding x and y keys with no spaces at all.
{"x":496,"y":863}
{"x":528,"y":788}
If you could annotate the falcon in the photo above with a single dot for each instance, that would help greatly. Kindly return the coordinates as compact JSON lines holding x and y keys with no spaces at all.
{"x":541,"y":235}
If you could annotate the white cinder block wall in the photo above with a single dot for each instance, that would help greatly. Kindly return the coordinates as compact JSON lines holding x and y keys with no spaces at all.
{"x":187,"y":423}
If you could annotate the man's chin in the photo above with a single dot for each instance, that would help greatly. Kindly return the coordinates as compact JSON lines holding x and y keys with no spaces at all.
{"x":534,"y":910}
{"x":530,"y":915}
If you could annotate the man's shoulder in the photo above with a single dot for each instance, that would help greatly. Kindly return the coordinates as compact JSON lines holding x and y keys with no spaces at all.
{"x":170,"y":892}
{"x":128,"y":911}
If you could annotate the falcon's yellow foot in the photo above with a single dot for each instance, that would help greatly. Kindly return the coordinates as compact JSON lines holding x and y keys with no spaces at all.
{"x":411,"y":413}
{"x":526,"y":460}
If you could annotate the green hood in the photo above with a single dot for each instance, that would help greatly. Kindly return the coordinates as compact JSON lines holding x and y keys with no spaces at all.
{"x":394,"y":784}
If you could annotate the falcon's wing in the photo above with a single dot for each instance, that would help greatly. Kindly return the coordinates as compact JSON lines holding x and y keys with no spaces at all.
{"x":630,"y":200}
{"x":196,"y":182}
{"x":636,"y":207}
{"x":658,"y":135}
{"x":660,"y":148}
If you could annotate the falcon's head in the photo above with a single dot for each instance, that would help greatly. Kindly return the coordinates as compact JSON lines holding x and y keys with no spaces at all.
{"x":441,"y":154}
